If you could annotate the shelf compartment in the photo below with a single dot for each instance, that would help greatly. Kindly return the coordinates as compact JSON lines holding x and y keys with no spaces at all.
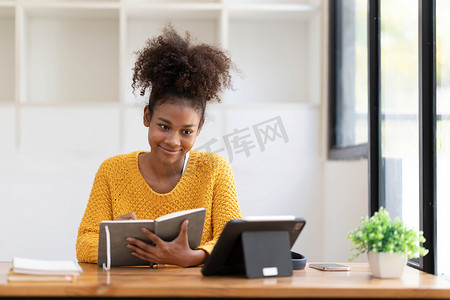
{"x":70,"y":3}
{"x":71,"y":55}
{"x":169,"y":3}
{"x":7,"y":54}
{"x":143,"y":24}
{"x":274,"y":2}
{"x":273,"y":58}
{"x":7,"y":3}
{"x":286,"y":12}
{"x":167,"y":12}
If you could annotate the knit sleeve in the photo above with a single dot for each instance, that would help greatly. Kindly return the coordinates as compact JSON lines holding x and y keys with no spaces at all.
{"x":225,"y":204}
{"x":98,"y":209}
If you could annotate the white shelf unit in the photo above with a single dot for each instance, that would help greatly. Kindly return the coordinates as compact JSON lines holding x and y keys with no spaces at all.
{"x":70,"y":54}
{"x":7,"y":52}
{"x":61,"y":54}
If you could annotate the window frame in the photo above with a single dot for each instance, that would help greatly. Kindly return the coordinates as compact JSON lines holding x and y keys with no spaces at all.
{"x":427,"y":124}
{"x":335,"y":152}
{"x":427,"y":132}
{"x":427,"y":118}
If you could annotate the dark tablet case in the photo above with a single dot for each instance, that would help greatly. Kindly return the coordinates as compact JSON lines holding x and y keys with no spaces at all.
{"x":227,"y":256}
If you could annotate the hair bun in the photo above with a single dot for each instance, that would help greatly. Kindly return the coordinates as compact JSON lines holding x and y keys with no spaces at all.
{"x":172,"y":64}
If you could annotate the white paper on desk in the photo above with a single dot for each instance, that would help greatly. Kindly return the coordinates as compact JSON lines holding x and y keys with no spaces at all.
{"x":45,"y":267}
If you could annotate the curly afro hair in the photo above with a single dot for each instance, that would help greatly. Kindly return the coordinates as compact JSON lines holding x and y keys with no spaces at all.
{"x":171,"y":66}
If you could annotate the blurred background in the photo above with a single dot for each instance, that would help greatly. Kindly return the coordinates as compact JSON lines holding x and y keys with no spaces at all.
{"x":66,"y":105}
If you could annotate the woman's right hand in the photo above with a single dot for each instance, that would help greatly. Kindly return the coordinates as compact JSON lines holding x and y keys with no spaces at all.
{"x":128,"y":216}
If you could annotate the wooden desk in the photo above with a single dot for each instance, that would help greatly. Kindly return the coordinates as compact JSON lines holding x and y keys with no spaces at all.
{"x":189,"y":283}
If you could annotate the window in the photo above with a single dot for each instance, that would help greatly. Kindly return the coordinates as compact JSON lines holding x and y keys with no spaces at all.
{"x":399,"y":165}
{"x":348,"y":79}
{"x":443,"y":135}
{"x":408,"y":115}
{"x":402,"y":135}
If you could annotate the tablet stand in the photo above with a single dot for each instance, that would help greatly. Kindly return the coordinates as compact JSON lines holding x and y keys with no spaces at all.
{"x":266,"y":254}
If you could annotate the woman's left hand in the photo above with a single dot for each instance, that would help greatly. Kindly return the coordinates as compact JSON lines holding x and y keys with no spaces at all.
{"x":176,"y":252}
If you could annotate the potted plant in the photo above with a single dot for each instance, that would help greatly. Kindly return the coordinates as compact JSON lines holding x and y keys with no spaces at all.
{"x":388,"y":244}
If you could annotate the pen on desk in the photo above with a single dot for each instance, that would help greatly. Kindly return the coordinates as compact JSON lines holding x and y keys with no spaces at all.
{"x":165,"y":266}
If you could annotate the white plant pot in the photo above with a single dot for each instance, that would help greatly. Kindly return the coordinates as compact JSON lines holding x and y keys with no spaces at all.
{"x":387,"y":265}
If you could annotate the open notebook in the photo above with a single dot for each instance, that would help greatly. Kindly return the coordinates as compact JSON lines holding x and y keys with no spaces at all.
{"x":112,"y":250}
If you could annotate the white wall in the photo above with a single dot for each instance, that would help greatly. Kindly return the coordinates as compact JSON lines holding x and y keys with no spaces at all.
{"x":345,"y":202}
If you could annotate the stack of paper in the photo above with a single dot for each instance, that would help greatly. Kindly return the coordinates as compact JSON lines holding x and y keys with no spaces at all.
{"x":25,"y":269}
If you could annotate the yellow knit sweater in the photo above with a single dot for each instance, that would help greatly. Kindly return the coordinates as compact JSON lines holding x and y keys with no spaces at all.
{"x":119,"y":188}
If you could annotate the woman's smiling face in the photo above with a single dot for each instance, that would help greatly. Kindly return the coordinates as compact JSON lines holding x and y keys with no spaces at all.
{"x":173,"y":129}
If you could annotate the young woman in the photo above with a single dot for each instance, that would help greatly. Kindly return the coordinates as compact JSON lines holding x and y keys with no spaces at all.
{"x":182,"y":77}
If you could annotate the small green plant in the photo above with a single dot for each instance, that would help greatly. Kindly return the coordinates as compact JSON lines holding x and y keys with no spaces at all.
{"x":380,"y":234}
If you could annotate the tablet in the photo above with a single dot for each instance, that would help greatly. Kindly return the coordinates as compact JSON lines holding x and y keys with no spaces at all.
{"x":227,"y":256}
